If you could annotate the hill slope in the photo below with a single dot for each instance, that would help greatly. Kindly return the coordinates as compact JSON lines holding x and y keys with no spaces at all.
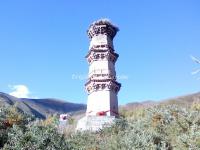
{"x":44,"y":107}
{"x":183,"y":100}
{"x":180,"y":100}
{"x":41,"y":107}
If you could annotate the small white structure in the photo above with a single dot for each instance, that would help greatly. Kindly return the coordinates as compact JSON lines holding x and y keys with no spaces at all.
{"x":64,"y":117}
{"x":102,"y":87}
{"x":63,"y":121}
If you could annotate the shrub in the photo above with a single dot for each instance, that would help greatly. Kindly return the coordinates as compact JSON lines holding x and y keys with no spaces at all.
{"x":8,"y":117}
{"x":35,"y":138}
{"x":162,"y":127}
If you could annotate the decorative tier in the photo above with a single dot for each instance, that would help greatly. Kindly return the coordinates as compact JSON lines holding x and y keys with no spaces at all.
{"x":100,"y":54}
{"x":100,"y":85}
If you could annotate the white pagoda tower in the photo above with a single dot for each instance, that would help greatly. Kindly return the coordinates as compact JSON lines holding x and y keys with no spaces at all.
{"x":102,"y":87}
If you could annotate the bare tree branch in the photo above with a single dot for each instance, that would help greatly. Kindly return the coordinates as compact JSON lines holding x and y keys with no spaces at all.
{"x":195,"y":59}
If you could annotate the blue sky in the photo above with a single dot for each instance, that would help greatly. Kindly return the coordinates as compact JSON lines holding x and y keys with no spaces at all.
{"x":43,"y":44}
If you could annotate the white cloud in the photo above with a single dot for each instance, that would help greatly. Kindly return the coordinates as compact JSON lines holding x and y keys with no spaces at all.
{"x":20,"y":91}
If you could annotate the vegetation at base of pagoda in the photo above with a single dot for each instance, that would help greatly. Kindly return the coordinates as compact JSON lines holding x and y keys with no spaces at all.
{"x":161,"y":127}
{"x":20,"y":131}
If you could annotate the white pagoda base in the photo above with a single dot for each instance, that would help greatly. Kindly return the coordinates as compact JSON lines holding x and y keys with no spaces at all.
{"x":95,"y":123}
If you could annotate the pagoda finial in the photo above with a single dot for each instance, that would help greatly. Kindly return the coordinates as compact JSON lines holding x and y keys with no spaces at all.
{"x":102,"y":26}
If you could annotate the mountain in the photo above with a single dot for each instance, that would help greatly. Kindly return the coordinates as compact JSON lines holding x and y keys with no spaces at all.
{"x":41,"y":108}
{"x":183,"y":100}
{"x":180,"y":100}
{"x":133,"y":105}
{"x":44,"y":107}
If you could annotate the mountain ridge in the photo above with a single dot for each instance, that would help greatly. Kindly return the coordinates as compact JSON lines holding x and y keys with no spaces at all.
{"x":41,"y":108}
{"x":187,"y":99}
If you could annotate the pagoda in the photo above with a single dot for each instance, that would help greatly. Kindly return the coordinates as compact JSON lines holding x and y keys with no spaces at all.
{"x":101,"y":86}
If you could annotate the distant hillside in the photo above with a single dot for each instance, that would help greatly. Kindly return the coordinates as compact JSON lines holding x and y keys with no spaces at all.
{"x":44,"y":107}
{"x":138,"y":104}
{"x":183,"y":100}
{"x":180,"y":100}
{"x":41,"y":107}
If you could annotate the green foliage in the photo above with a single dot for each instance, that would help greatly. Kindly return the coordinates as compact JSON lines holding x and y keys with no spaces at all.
{"x":136,"y":113}
{"x":158,"y":128}
{"x":52,"y":120}
{"x":35,"y":138}
{"x":163,"y":127}
{"x":8,"y":117}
